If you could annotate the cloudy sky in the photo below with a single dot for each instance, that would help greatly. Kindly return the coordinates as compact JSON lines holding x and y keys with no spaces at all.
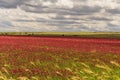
{"x":59,"y":15}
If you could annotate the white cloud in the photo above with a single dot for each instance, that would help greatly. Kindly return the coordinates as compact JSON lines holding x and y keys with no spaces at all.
{"x":60,"y":15}
{"x":48,"y":3}
{"x":58,"y":4}
{"x":115,"y":23}
{"x":112,"y":4}
{"x":17,"y":21}
{"x":65,"y":3}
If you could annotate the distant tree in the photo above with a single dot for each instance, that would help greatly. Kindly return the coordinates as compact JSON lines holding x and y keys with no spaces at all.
{"x":25,"y":33}
{"x":6,"y":34}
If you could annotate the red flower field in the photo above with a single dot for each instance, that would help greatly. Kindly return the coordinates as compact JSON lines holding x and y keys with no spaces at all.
{"x":58,"y":58}
{"x":32,"y":44}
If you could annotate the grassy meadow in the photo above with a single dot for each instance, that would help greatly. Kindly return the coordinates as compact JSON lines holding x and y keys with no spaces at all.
{"x":55,"y":58}
{"x":73,"y":34}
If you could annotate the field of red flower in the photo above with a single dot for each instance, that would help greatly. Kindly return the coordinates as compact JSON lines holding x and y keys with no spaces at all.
{"x":58,"y":58}
{"x":32,"y":44}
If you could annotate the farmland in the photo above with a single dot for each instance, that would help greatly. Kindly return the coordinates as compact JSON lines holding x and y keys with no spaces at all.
{"x":59,"y":58}
{"x":67,"y":34}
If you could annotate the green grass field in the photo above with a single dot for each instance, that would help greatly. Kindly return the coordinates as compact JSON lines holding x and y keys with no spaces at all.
{"x":74,"y":34}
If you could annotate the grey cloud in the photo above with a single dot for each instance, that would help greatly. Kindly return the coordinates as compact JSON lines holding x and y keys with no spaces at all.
{"x":28,"y":6}
{"x":40,"y":8}
{"x":113,"y":27}
{"x":27,"y":29}
{"x":113,"y":11}
{"x":81,"y":13}
{"x":61,"y":17}
{"x":6,"y":24}
{"x":27,"y":3}
{"x":100,"y":19}
{"x":31,"y":7}
{"x":84,"y":10}
{"x":52,"y":22}
{"x":11,"y":3}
